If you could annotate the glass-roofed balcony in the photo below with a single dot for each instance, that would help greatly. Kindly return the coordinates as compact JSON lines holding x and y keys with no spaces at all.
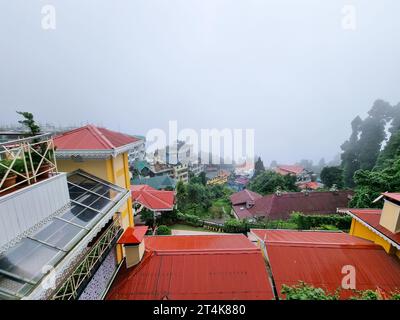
{"x":55,"y":261}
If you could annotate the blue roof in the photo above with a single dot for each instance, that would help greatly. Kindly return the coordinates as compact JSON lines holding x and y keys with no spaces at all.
{"x":157,"y":182}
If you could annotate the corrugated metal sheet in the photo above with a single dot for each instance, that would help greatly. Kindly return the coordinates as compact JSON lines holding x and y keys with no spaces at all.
{"x":233,"y":276}
{"x":195,"y":267}
{"x":92,"y":138}
{"x":328,"y":238}
{"x":372,"y":217}
{"x":200,"y":242}
{"x":320,"y":264}
{"x":153,"y":199}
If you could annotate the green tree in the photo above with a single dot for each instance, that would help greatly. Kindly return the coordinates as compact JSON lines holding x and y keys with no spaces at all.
{"x":258,"y":167}
{"x":390,"y":152}
{"x":270,"y":181}
{"x":370,"y":183}
{"x":331,"y":176}
{"x":29,"y":122}
{"x":350,"y":163}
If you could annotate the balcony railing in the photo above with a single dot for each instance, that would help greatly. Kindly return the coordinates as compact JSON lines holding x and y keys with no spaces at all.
{"x":75,"y":282}
{"x":25,"y":161}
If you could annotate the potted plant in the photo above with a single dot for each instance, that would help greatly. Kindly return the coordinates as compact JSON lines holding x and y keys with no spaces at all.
{"x":11,"y":177}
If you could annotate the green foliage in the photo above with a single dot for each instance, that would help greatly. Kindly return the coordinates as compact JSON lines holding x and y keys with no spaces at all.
{"x":18,"y":166}
{"x":147,"y":217}
{"x":390,"y":152}
{"x":362,"y":150}
{"x":303,"y":291}
{"x":163,"y":231}
{"x":269,"y":181}
{"x":366,"y":295}
{"x":189,"y":219}
{"x":370,"y":183}
{"x":198,"y":199}
{"x":324,"y":222}
{"x":258,"y":167}
{"x":236,"y":226}
{"x":29,"y":122}
{"x":331,"y":176}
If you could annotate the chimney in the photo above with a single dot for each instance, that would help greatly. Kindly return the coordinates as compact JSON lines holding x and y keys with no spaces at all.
{"x":390,"y":217}
{"x":134,"y":247}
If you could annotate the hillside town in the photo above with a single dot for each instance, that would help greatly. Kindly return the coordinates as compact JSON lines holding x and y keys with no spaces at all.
{"x":179,"y":159}
{"x":89,"y":208}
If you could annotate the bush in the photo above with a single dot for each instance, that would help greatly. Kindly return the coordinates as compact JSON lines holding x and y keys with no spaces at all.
{"x":163,"y":231}
{"x":307,"y":222}
{"x":303,"y":291}
{"x":189,"y":219}
{"x":236,"y":226}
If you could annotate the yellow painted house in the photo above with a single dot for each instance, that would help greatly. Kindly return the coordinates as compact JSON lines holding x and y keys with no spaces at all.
{"x":102,"y":153}
{"x":382,"y":226}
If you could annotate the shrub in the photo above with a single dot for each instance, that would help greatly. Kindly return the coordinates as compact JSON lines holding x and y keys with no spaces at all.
{"x":163,"y":231}
{"x":236,"y":226}
{"x":189,"y":219}
{"x":307,"y":222}
{"x":303,"y":291}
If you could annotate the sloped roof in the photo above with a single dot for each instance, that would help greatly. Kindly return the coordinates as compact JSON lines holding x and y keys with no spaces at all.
{"x":289,"y":169}
{"x":317,"y":258}
{"x":216,"y":267}
{"x":133,"y":235}
{"x":157,"y":182}
{"x":281,"y":206}
{"x":392,"y":195}
{"x":153,"y":199}
{"x":371,"y":218}
{"x":244,"y":196}
{"x":91,"y":137}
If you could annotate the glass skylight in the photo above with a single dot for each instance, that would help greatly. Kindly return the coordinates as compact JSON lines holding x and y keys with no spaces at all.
{"x":25,"y":264}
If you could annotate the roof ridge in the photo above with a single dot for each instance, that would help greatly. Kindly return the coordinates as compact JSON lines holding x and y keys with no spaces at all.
{"x":100,"y":136}
{"x":207,"y":251}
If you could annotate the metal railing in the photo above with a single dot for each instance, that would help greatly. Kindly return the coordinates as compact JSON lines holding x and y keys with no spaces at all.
{"x":25,"y":160}
{"x":72,"y":287}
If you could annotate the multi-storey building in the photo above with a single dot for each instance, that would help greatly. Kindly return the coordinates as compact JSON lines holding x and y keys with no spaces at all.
{"x":58,"y":230}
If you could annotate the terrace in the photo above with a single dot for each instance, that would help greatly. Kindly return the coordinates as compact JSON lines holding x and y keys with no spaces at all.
{"x":26,"y":161}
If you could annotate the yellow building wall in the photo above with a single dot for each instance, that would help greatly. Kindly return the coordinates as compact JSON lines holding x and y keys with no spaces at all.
{"x":95,"y":167}
{"x":359,"y":230}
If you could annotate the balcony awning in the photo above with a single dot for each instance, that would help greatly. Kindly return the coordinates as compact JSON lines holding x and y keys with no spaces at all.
{"x":23,"y":266}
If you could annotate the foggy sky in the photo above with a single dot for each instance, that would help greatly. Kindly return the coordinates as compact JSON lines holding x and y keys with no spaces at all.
{"x":285,"y":68}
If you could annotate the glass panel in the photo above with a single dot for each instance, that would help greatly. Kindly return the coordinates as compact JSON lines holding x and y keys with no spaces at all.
{"x":28,"y":258}
{"x":81,"y":215}
{"x":60,"y":234}
{"x":13,"y":287}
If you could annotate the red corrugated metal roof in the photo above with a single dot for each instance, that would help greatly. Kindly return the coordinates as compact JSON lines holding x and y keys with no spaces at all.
{"x":391,"y":195}
{"x":289,"y":169}
{"x":200,"y":242}
{"x":320,"y":264}
{"x":133,"y":235}
{"x":372,"y":218}
{"x":320,"y":238}
{"x":153,"y":199}
{"x":91,"y":137}
{"x":195,"y":267}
